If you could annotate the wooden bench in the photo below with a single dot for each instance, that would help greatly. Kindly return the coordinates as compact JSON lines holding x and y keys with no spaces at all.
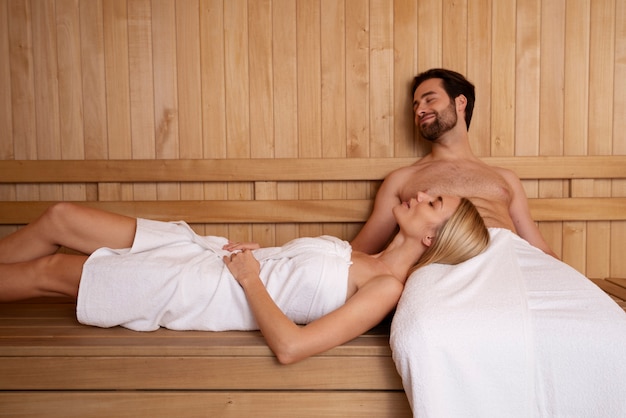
{"x":52,"y":366}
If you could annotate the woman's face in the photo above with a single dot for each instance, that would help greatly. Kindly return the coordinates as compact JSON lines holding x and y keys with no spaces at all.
{"x":425,"y":213}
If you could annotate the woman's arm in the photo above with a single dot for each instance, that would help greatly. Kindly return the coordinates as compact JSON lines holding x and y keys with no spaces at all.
{"x":290,"y":342}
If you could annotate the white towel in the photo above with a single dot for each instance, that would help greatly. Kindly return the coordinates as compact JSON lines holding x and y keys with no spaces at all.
{"x":512,"y":332}
{"x":174,"y":278}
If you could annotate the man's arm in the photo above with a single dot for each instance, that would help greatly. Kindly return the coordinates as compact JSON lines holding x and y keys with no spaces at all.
{"x":520,"y":214}
{"x":381,"y":224}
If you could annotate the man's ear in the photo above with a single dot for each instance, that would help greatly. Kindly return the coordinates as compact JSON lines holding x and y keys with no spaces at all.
{"x":461,"y":102}
{"x":427,"y":241}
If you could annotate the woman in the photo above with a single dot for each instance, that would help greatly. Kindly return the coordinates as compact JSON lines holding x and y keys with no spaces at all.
{"x":166,"y":275}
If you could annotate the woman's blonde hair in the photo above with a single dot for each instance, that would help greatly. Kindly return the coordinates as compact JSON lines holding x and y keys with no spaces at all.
{"x":463,"y":236}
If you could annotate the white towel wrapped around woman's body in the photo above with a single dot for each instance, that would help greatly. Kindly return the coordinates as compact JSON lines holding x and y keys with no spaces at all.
{"x":173,"y":278}
{"x":512,"y":332}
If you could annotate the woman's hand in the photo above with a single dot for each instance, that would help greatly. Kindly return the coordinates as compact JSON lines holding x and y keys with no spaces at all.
{"x":235,"y":246}
{"x":243,"y":266}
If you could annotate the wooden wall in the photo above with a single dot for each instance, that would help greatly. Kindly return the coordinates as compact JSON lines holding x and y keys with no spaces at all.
{"x":142,"y":79}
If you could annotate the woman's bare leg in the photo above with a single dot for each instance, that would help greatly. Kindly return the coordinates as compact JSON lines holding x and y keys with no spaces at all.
{"x":53,"y":275}
{"x":68,"y":225}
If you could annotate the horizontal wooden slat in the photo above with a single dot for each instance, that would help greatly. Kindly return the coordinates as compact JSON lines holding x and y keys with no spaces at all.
{"x":165,"y":372}
{"x":617,"y":281}
{"x":222,"y":404}
{"x":216,"y":211}
{"x":284,"y":169}
{"x":55,"y":339}
{"x":611,"y":287}
{"x":579,"y":209}
{"x":303,"y":211}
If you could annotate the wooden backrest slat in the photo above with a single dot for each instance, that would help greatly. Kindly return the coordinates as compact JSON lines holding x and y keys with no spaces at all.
{"x":284,"y":169}
{"x":303,"y":211}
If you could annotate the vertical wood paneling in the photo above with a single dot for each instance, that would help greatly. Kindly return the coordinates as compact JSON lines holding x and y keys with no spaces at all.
{"x":381,"y":83}
{"x":92,"y":63}
{"x":357,"y":78}
{"x":237,"y":93}
{"x":309,"y":78}
{"x":261,"y":102}
{"x":479,"y":41}
{"x":527,"y":77}
{"x":261,"y":80}
{"x":551,"y":97}
{"x":141,"y":88}
{"x":576,"y":74}
{"x":22,"y":83}
{"x":308,"y":20}
{"x":70,"y":90}
{"x":126,"y":79}
{"x":7,"y":191}
{"x":213,"y":96}
{"x":46,"y":76}
{"x":212,"y":78}
{"x":455,"y":31}
{"x":333,"y":78}
{"x":602,"y":54}
{"x":429,"y":34}
{"x":575,"y":127}
{"x":618,"y":188}
{"x":6,"y":122}
{"x":70,"y":76}
{"x":284,"y":55}
{"x":405,"y":68}
{"x":166,"y":107}
{"x":503,"y":79}
{"x":188,"y":71}
{"x":333,"y":96}
{"x":115,"y":18}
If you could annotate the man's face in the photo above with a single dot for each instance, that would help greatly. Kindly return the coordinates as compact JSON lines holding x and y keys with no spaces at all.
{"x":435,"y":112}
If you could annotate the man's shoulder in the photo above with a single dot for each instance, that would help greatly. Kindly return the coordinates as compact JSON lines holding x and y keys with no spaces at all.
{"x":505,"y":172}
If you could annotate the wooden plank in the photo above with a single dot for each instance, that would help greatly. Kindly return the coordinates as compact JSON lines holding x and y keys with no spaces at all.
{"x":617,"y":281}
{"x":479,"y":70}
{"x":221,"y":372}
{"x":503,"y":79}
{"x":611,"y":288}
{"x":285,"y":169}
{"x":303,"y":211}
{"x":357,"y":79}
{"x":64,"y":337}
{"x":527,"y":77}
{"x":261,"y":77}
{"x":601,"y":77}
{"x":223,"y":404}
{"x":6,"y":112}
{"x":166,"y":103}
{"x":552,"y":77}
{"x":93,"y":67}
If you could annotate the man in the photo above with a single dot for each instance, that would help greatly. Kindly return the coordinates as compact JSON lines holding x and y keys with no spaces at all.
{"x":443,"y":102}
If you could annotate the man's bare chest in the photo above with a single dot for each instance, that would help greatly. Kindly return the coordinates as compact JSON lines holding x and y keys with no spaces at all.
{"x":468,"y":180}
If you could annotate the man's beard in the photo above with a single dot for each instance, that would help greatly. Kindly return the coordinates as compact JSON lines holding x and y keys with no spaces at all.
{"x":442,"y":123}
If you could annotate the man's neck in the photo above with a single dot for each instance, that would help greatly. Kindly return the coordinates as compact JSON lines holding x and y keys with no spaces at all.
{"x":452,"y":146}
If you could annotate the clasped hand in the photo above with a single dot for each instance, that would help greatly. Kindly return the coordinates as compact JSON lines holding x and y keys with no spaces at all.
{"x":241,"y":263}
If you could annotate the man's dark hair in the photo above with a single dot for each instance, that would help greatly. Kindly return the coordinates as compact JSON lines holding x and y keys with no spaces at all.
{"x":454,"y":84}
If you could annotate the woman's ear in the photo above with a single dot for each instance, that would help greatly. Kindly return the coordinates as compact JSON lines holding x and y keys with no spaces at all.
{"x":427,"y":241}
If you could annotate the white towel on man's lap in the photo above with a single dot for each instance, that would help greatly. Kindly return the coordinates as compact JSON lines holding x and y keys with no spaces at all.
{"x":510,"y":333}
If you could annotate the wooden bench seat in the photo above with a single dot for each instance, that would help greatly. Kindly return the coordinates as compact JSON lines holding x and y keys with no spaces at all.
{"x":52,"y":366}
